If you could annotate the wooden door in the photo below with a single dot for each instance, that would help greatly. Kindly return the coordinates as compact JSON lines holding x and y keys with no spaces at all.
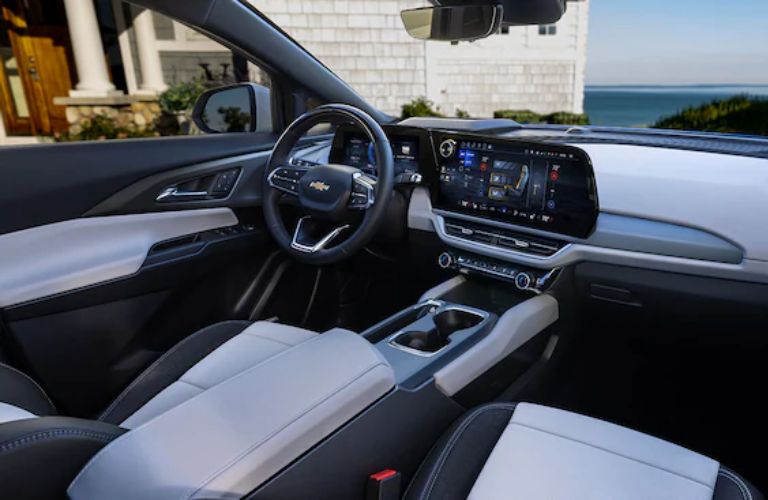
{"x":14,"y":105}
{"x":42,"y":55}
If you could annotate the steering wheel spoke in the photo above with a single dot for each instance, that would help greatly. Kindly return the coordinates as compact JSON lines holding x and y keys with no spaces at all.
{"x":363,"y":192}
{"x":286,"y":178}
{"x":304,"y":239}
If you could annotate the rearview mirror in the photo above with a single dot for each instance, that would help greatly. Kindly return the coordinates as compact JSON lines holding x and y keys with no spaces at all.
{"x":245,"y":107}
{"x":452,"y":23}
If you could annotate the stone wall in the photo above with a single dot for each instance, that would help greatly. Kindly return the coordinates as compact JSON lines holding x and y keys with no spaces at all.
{"x":136,"y":113}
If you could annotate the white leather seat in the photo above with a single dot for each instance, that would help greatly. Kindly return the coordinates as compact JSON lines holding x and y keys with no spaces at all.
{"x":239,"y":416}
{"x":532,"y":452}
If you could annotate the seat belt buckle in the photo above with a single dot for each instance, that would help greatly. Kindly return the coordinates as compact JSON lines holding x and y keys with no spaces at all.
{"x":383,"y":485}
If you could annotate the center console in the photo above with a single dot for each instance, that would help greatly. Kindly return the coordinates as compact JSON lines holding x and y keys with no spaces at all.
{"x":423,"y":338}
{"x":459,"y":330}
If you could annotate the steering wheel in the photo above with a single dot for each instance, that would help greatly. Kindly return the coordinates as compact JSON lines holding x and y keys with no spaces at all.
{"x":334,"y":199}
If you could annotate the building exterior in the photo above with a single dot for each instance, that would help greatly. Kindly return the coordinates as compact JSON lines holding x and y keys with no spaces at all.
{"x":540,"y":68}
{"x":74,"y":59}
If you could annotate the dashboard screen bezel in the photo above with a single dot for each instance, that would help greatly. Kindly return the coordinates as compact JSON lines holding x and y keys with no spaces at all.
{"x":424,"y":158}
{"x":579,"y":225}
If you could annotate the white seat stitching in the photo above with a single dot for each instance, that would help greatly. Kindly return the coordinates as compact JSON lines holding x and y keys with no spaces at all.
{"x":612,"y":452}
{"x":432,"y":479}
{"x":45,"y":394}
{"x":307,"y":409}
{"x":154,"y":365}
{"x":746,"y":494}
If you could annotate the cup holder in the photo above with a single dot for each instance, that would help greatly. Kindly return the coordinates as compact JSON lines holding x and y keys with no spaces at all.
{"x":445,"y":323}
{"x":453,"y":320}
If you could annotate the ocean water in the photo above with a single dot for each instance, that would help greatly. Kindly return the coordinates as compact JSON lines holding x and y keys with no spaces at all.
{"x":641,"y":106}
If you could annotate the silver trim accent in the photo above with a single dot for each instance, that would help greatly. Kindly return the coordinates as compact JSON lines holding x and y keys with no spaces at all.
{"x":475,"y":245}
{"x":173,"y":193}
{"x":451,"y":145}
{"x":441,"y":307}
{"x":320,"y":244}
{"x":366,"y":182}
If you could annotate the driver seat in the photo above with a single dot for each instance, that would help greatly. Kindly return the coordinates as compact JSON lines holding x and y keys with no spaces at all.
{"x":37,"y":443}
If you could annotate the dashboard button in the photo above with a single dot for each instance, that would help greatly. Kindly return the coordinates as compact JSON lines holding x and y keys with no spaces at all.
{"x":445,"y":260}
{"x":523,"y":281}
{"x":447,"y":148}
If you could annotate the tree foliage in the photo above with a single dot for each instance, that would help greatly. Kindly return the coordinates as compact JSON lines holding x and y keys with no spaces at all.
{"x":102,"y":127}
{"x":528,"y":116}
{"x":740,"y":114}
{"x":421,"y":106}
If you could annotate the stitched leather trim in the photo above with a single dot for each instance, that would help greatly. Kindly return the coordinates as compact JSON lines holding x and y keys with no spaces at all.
{"x":54,"y":434}
{"x":443,"y":457}
{"x":45,"y":394}
{"x":746,"y":494}
{"x":157,"y":363}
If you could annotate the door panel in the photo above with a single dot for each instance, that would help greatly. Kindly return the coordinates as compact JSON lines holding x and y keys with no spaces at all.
{"x":56,"y":182}
{"x":61,"y":257}
{"x":98,"y":278}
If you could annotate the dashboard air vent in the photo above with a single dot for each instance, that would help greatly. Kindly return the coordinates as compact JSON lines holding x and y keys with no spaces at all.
{"x":502,"y":238}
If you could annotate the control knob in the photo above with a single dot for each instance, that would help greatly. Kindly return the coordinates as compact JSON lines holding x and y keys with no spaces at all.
{"x":447,"y":148}
{"x":523,"y":281}
{"x":445,"y":260}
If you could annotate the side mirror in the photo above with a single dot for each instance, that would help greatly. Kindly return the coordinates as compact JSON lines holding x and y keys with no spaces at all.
{"x":453,"y":23}
{"x":245,"y":107}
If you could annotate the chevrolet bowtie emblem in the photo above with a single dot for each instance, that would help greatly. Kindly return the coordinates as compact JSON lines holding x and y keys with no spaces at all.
{"x":319,"y":185}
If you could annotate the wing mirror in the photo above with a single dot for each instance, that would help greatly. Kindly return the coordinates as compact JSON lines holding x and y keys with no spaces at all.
{"x":245,"y":107}
{"x":453,"y":23}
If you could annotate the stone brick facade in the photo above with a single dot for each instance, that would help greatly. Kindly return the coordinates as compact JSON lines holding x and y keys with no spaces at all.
{"x":137,"y":113}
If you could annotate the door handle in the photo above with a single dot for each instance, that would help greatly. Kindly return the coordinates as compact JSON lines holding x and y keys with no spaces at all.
{"x":175,"y":194}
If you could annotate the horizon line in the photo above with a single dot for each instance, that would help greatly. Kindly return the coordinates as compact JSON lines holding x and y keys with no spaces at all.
{"x":765,"y":84}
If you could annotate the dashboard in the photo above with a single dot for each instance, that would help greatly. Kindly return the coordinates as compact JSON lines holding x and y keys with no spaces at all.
{"x":547,"y":187}
{"x":655,"y":208}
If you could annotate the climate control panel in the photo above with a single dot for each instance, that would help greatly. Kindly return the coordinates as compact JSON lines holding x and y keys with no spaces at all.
{"x":528,"y":280}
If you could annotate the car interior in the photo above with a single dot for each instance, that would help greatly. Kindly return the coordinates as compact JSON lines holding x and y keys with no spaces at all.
{"x":347,"y":305}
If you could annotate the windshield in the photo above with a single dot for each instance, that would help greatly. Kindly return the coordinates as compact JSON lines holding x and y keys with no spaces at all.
{"x":684,"y":65}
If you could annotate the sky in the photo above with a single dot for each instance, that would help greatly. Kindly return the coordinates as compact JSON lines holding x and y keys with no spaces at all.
{"x":677,"y":42}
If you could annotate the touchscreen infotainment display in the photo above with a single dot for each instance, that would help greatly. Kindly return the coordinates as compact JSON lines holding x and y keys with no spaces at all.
{"x":540,"y":186}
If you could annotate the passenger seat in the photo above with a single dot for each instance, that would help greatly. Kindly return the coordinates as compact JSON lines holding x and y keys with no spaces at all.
{"x":532,"y":452}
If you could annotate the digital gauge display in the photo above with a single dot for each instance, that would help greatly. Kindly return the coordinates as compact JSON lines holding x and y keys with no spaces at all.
{"x":359,"y":152}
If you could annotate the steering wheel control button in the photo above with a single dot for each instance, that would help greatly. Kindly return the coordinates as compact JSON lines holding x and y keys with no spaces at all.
{"x":447,"y":148}
{"x":286,"y":179}
{"x":363,"y":189}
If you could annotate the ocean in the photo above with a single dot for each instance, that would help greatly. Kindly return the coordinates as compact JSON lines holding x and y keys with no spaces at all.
{"x":643,"y":105}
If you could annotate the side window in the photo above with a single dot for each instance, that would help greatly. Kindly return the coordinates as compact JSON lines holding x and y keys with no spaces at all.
{"x":141,"y":77}
{"x":547,"y":29}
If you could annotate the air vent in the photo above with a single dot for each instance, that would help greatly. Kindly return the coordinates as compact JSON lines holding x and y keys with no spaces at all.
{"x":502,"y":238}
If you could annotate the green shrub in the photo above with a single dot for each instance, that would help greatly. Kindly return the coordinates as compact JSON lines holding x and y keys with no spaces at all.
{"x":102,"y":127}
{"x":528,"y":116}
{"x":181,"y":96}
{"x":740,"y":114}
{"x":565,"y":118}
{"x":460,"y":113}
{"x":421,"y":106}
{"x":520,"y":116}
